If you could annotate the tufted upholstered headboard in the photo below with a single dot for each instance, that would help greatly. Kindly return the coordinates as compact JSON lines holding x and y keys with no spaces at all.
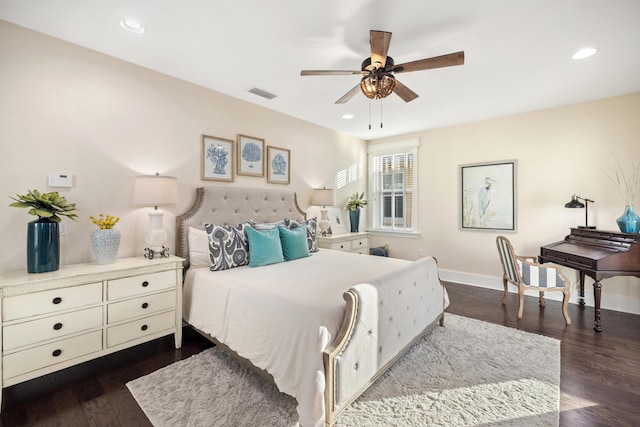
{"x":231,"y":206}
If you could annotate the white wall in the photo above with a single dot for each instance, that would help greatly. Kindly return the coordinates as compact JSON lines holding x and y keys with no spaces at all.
{"x":560,"y":152}
{"x":64,"y":108}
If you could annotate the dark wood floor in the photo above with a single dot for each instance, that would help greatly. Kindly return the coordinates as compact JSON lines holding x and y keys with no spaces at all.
{"x":600,"y":380}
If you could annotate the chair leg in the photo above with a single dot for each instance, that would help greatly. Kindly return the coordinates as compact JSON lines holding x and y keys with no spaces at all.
{"x":541,"y":298}
{"x":506,"y":290}
{"x":520,"y":302}
{"x":565,"y":303}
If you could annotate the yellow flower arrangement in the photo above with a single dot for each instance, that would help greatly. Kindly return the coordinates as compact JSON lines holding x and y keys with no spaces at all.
{"x":104,"y":222}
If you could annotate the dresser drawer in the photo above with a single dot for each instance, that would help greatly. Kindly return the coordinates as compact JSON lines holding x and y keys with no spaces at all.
{"x":140,"y":306}
{"x":140,"y":328}
{"x":341,"y":246}
{"x":37,"y":303}
{"x":360,"y":245}
{"x":144,"y":283}
{"x":34,"y":331}
{"x":35,"y":358}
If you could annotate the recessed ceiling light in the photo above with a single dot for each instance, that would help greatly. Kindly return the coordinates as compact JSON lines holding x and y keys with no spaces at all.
{"x":132,"y":26}
{"x":348,"y":116}
{"x":585,"y":53}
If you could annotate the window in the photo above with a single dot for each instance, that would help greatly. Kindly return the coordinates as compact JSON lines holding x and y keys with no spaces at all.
{"x":393,"y":186}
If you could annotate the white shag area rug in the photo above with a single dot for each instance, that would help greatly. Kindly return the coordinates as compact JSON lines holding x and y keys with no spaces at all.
{"x":468,"y":373}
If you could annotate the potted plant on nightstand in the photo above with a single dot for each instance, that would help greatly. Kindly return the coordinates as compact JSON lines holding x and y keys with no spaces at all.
{"x":354,"y":204}
{"x":43,"y":234}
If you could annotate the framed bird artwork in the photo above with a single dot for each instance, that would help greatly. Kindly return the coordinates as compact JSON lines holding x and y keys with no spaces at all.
{"x":488,"y":196}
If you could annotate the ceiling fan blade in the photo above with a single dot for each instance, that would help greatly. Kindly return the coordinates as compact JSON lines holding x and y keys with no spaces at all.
{"x":329,"y":72}
{"x":404,"y":92}
{"x":347,"y":96}
{"x":380,"y":41}
{"x":449,"y":60}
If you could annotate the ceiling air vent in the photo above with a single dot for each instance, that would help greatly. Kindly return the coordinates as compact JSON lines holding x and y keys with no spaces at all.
{"x":262,"y":93}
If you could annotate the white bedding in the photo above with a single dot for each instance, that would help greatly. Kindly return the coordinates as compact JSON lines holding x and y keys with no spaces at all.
{"x":282,"y":316}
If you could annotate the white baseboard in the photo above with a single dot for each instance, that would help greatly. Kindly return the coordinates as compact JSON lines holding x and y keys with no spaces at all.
{"x":616,"y":302}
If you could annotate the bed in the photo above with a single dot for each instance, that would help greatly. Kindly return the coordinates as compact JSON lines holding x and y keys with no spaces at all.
{"x":322,"y":327}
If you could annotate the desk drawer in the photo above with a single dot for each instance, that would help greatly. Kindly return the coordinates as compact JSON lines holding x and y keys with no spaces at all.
{"x":140,"y":306}
{"x":140,"y":328}
{"x":142,"y":284}
{"x":47,"y":355}
{"x":34,"y":331}
{"x":45,"y":302}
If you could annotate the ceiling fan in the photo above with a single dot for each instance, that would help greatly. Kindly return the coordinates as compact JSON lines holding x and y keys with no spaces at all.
{"x":378,"y":71}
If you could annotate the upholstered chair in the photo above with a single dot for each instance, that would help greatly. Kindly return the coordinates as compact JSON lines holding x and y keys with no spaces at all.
{"x":525,"y":273}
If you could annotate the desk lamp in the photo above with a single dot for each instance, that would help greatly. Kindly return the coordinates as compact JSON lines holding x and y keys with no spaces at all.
{"x":576,"y":203}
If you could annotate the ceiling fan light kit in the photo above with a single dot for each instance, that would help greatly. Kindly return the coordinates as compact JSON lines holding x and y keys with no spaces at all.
{"x":378,"y":71}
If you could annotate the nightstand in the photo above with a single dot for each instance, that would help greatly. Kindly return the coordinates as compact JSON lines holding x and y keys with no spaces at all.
{"x":54,"y":320}
{"x":349,"y":242}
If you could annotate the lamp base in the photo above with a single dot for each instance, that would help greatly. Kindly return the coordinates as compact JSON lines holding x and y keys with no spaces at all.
{"x":150,"y":253}
{"x":587,"y":227}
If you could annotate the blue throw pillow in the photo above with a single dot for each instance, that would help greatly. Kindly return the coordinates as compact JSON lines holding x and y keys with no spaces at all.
{"x":294,"y":243}
{"x":264,"y":247}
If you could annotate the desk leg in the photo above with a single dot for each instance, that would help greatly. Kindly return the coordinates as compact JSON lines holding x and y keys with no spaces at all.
{"x":597,"y":290}
{"x":581,"y":298}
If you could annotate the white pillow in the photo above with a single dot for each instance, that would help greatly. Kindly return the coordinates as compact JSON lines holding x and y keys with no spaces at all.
{"x":198,"y":248}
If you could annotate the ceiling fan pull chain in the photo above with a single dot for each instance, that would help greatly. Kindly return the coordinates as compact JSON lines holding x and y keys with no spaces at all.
{"x":381,"y":114}
{"x":369,"y":114}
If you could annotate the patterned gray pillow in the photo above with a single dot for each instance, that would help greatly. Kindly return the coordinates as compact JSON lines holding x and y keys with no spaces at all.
{"x":228,"y":246}
{"x":312,"y":231}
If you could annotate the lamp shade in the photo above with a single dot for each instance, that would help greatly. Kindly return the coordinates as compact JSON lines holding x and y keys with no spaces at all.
{"x":323,"y":197}
{"x":155,"y":190}
{"x":574,"y":203}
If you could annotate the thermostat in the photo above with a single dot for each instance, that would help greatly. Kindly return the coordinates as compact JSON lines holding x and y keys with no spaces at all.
{"x":60,"y":180}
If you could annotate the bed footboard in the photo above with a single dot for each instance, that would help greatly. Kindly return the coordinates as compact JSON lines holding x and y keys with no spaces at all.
{"x":384,"y":318}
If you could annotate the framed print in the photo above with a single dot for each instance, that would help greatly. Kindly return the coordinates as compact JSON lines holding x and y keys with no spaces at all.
{"x":217,"y":159}
{"x":250,"y":156}
{"x":278,"y":165}
{"x":488,"y":196}
{"x":336,"y":220}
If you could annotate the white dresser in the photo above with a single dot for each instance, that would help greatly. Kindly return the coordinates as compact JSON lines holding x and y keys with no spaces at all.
{"x":350,"y":242}
{"x":54,"y":320}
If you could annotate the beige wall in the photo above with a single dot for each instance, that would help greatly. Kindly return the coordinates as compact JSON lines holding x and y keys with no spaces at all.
{"x":67,"y":109}
{"x":559,"y":151}
{"x":64,"y":108}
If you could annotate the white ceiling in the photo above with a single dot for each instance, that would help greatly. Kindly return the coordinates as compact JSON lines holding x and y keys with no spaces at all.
{"x":517,"y":53}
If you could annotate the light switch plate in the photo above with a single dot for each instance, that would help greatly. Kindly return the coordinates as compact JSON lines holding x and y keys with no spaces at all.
{"x":60,"y":180}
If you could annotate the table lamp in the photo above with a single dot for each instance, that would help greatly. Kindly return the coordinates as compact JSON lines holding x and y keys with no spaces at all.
{"x":155,"y":190}
{"x":323,"y":197}
{"x":576,"y":203}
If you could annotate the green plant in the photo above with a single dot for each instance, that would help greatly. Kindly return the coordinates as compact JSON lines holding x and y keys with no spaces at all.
{"x":356,"y":201}
{"x":45,"y":205}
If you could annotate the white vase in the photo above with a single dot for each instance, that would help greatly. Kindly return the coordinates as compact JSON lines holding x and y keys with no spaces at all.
{"x":105,"y":244}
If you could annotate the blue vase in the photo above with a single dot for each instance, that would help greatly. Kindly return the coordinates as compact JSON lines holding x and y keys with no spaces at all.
{"x":354,"y":220}
{"x":629,"y":222}
{"x":43,"y":246}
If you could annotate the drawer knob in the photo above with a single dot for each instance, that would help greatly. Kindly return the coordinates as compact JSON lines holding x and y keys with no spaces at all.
{"x":145,"y":305}
{"x":56,"y":352}
{"x":144,"y":328}
{"x":341,"y":246}
{"x":57,"y":326}
{"x":145,"y":284}
{"x":56,"y":300}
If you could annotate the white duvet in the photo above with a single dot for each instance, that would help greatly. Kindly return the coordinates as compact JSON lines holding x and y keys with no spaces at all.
{"x":282,"y":316}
